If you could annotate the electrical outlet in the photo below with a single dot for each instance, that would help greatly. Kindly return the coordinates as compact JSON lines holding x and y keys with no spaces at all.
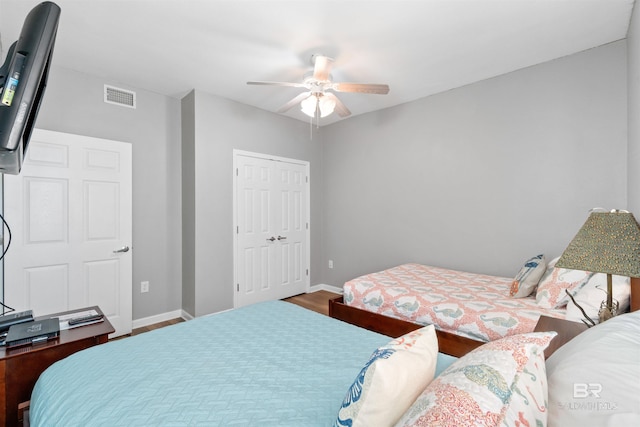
{"x":330,"y":263}
{"x":144,"y":287}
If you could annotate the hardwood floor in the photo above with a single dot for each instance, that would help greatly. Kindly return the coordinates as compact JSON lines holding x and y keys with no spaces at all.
{"x":317,"y":301}
{"x":156,"y":326}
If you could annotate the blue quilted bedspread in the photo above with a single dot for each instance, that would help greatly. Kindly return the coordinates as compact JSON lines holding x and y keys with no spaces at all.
{"x":270,"y":364}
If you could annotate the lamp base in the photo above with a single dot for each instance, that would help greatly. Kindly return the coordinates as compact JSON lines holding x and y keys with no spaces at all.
{"x":606,"y":312}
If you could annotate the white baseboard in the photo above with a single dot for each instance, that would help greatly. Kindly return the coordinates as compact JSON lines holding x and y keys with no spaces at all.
{"x":187,"y":316}
{"x":163,"y":317}
{"x":324,"y":287}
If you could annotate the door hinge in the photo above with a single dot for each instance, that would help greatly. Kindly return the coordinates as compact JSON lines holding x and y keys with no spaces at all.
{"x":237,"y":173}
{"x":306,"y":178}
{"x":237,"y":229}
{"x":307,"y":271}
{"x":238,"y":287}
{"x":307,"y":226}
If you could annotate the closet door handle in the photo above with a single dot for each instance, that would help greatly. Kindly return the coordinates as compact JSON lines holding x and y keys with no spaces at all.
{"x":281,"y":238}
{"x":121,"y":250}
{"x":272,"y":239}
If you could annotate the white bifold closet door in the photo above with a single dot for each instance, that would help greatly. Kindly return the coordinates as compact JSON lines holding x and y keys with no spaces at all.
{"x":271,"y":222}
{"x":70,"y":213}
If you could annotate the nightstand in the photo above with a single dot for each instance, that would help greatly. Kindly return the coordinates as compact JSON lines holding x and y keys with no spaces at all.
{"x":566,"y":330}
{"x":20,"y":367}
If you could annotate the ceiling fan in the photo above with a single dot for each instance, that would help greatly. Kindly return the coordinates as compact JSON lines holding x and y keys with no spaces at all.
{"x":319,"y":100}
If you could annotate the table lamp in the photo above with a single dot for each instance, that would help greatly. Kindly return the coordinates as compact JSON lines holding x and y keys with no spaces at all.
{"x":608,"y":242}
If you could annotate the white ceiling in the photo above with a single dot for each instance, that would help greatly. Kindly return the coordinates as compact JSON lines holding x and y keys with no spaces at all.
{"x":416,"y":47}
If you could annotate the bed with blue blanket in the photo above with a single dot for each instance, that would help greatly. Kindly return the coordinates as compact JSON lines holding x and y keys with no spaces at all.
{"x":269,"y":364}
{"x":277,"y":364}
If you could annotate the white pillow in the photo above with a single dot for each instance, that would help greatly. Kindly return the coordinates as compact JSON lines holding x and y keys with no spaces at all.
{"x":552,"y":263}
{"x":391,"y":380}
{"x":528,"y":277}
{"x":594,"y":292}
{"x":594,"y":380}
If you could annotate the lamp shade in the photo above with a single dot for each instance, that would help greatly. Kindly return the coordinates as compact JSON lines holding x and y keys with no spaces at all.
{"x":608,"y":242}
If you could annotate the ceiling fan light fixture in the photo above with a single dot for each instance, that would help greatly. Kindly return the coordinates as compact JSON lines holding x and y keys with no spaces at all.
{"x":317,"y":102}
{"x":309,"y":105}
{"x":326,"y":105}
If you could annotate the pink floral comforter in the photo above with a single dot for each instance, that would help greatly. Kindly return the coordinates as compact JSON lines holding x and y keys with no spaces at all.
{"x":472,"y":305}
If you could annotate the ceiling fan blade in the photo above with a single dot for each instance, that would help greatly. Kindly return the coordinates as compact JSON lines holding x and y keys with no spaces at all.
{"x":341,"y":109}
{"x":286,"y":107}
{"x":321,"y":67}
{"x":361,"y":88}
{"x":278,"y":84}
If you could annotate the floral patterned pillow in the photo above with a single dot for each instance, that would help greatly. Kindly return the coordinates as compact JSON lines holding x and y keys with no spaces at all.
{"x":502,"y":382}
{"x":551,"y":289}
{"x":391,"y":380}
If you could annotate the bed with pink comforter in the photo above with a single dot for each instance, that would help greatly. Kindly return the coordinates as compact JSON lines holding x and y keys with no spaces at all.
{"x":472,"y":305}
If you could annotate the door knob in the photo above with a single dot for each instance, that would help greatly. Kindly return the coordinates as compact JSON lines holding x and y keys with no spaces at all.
{"x":121,"y":250}
{"x":281,"y":238}
{"x":272,"y":239}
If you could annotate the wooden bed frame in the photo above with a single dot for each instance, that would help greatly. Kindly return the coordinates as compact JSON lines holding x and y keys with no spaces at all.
{"x":635,"y":293}
{"x":452,"y":344}
{"x":449,"y":343}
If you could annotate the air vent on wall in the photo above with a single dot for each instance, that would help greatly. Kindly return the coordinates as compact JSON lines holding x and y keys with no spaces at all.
{"x":117,"y":96}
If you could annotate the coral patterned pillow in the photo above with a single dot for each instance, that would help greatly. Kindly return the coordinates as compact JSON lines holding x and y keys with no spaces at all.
{"x":391,"y":380}
{"x":551,"y":289}
{"x":528,"y":277}
{"x":502,"y":382}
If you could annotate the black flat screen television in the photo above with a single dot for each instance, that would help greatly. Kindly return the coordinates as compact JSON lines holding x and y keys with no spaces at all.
{"x":23,"y":79}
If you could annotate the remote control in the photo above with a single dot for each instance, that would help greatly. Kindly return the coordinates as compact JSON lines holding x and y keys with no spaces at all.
{"x":85,"y":319}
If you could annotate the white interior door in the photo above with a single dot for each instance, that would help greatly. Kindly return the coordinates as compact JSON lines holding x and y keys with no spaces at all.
{"x":272,"y":227}
{"x":70,"y":215}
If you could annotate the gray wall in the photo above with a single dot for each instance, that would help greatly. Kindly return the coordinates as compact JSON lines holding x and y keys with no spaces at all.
{"x":478,"y":178}
{"x":220,"y":127}
{"x":633,"y":81}
{"x":74,"y":104}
